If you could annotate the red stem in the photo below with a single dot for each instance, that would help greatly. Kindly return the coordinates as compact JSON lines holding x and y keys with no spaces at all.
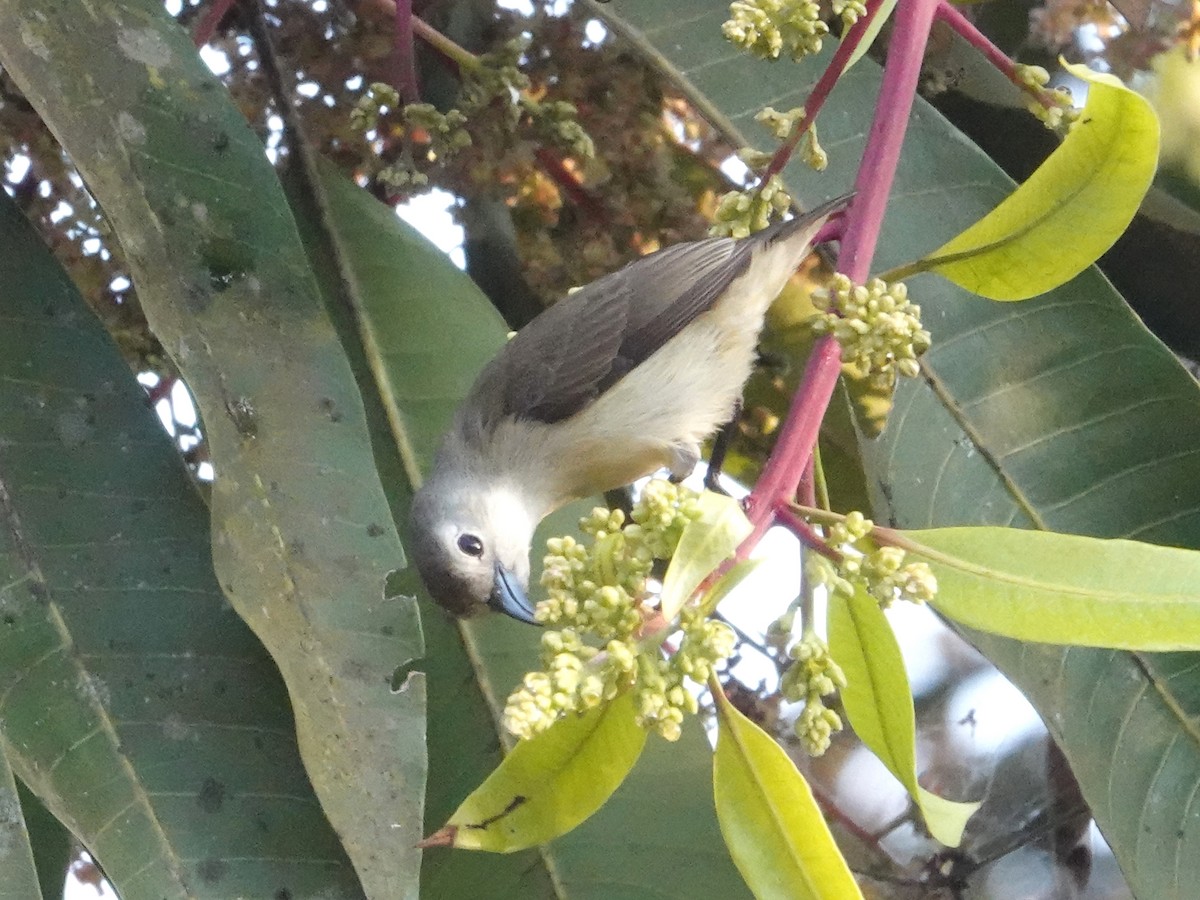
{"x":784,"y":469}
{"x":160,"y":391}
{"x":973,"y":36}
{"x":402,"y":54}
{"x":878,"y":168}
{"x":816,"y":99}
{"x":966,"y":29}
{"x":806,"y":533}
{"x":207,"y":26}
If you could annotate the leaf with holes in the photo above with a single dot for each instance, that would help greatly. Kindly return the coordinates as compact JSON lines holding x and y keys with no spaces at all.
{"x":118,"y":652}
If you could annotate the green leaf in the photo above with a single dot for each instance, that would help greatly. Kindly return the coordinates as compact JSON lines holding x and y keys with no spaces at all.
{"x":302,"y":535}
{"x":53,"y":846}
{"x":1069,"y":211}
{"x":549,"y":784}
{"x":403,"y":288}
{"x":771,"y":822}
{"x":18,"y":874}
{"x":706,"y":542}
{"x":141,"y":711}
{"x":1064,"y":588}
{"x":881,"y":16}
{"x":879,"y":704}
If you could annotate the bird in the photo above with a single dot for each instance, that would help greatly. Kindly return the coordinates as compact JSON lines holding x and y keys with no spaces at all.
{"x":623,"y":377}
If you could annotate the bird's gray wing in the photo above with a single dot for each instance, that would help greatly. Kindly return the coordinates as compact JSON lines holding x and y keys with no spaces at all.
{"x":578,"y":348}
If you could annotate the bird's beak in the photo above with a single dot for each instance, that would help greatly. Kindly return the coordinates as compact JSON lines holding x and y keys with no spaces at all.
{"x":509,"y":598}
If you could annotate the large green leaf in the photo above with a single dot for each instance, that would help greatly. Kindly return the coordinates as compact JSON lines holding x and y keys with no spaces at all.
{"x":53,"y":846}
{"x":18,"y":874}
{"x":1062,"y":411}
{"x":770,"y":818}
{"x":423,"y":315}
{"x":550,"y":783}
{"x":1063,"y":588}
{"x":140,"y":709}
{"x":302,"y":536}
{"x":1069,"y":211}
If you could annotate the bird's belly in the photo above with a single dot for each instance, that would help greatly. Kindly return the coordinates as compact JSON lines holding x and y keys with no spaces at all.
{"x":675,"y":399}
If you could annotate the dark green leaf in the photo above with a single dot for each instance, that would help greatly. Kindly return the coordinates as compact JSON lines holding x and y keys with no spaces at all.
{"x":137,"y":706}
{"x":18,"y":874}
{"x":302,"y":536}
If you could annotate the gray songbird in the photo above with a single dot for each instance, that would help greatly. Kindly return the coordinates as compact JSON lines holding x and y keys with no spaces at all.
{"x":619,"y":379}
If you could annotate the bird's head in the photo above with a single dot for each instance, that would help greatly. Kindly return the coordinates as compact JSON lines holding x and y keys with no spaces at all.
{"x":470,"y":542}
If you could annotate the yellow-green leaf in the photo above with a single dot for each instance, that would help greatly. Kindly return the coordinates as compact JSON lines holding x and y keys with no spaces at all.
{"x":872,"y":32}
{"x":771,"y":823}
{"x":878,"y":702}
{"x":549,"y":784}
{"x":726,"y":583}
{"x":1070,"y":211}
{"x":1064,"y":588}
{"x":706,"y":542}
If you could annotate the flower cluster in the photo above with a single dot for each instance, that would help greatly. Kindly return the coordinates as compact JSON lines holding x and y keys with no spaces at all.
{"x":878,"y":329}
{"x":880,"y":571}
{"x":600,"y":588}
{"x":850,"y":11}
{"x":812,"y":676}
{"x":768,"y":28}
{"x":1054,"y":107}
{"x":741,"y":213}
{"x":781,"y":124}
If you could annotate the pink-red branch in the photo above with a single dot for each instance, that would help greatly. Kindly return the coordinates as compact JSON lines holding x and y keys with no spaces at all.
{"x":786,"y":466}
{"x":973,"y":36}
{"x":816,"y":98}
{"x":403,"y":55}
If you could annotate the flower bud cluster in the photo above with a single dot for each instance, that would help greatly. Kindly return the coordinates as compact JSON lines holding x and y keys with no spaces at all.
{"x":1054,"y":107}
{"x":599,"y":589}
{"x":812,"y":676}
{"x":781,"y":124}
{"x":741,"y":213}
{"x":878,"y":329}
{"x":880,"y":571}
{"x":850,"y":11}
{"x":661,"y":697}
{"x":768,"y":28}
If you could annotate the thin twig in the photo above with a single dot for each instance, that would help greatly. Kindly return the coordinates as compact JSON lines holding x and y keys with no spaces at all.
{"x":402,"y":50}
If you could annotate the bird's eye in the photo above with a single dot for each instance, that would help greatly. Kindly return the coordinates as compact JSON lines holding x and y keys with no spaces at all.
{"x":470,"y":545}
